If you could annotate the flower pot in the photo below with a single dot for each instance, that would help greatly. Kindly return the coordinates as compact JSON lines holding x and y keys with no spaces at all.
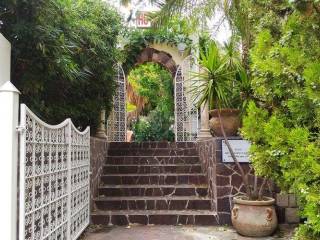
{"x":254,"y":218}
{"x":230,"y":121}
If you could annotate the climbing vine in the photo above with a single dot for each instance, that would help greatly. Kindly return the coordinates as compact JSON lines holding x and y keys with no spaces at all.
{"x":136,"y":40}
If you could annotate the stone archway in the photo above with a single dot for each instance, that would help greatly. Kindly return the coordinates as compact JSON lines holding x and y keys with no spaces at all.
{"x":149,"y":55}
{"x":160,"y":57}
{"x":186,"y":115}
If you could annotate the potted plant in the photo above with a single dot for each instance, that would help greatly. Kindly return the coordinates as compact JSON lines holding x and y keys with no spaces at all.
{"x":221,"y":81}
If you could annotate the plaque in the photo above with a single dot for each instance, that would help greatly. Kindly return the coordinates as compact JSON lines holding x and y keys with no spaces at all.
{"x":240,"y":148}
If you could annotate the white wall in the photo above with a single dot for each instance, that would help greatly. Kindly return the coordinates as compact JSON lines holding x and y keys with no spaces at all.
{"x":5,"y":50}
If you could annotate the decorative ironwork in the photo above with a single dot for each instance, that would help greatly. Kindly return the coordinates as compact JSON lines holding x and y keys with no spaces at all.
{"x":186,"y":112}
{"x":54,"y":179}
{"x":117,"y":121}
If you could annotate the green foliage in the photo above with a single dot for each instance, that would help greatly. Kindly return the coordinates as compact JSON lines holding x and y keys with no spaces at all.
{"x":63,"y":53}
{"x":284,"y":124}
{"x":136,"y":40}
{"x":155,"y":127}
{"x":155,"y":85}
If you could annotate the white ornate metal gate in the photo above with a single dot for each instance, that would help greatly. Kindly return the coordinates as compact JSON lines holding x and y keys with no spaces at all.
{"x":186,"y":112}
{"x":54,"y":179}
{"x":117,"y":120}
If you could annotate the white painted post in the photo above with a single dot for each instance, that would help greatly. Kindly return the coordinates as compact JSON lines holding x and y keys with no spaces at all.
{"x":9,"y":110}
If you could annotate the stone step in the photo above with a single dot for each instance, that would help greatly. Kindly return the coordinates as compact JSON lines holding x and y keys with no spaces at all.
{"x":153,"y":203}
{"x":154,"y":190}
{"x":153,"y":145}
{"x":154,"y":178}
{"x":153,"y":152}
{"x":157,"y":217}
{"x":146,"y":160}
{"x":155,"y":168}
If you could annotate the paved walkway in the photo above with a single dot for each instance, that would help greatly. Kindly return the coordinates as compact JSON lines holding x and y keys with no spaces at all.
{"x":174,"y":233}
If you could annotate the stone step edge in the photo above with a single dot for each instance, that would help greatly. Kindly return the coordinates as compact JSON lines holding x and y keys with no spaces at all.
{"x":152,"y":165}
{"x":150,"y":174}
{"x":151,"y":198}
{"x":152,"y":156}
{"x":152,"y":148}
{"x":148,"y":186}
{"x":154,"y":212}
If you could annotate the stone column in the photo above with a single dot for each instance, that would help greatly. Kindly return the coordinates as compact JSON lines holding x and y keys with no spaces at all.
{"x":204,"y":132}
{"x":101,"y":133}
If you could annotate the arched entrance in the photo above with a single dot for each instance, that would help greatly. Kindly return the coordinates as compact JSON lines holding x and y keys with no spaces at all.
{"x":186,"y":113}
{"x":160,"y":57}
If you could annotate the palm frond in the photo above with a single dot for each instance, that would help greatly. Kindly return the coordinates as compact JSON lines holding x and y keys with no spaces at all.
{"x":193,"y":10}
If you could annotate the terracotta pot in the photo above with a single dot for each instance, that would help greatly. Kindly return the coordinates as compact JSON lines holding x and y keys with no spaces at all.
{"x":230,"y":120}
{"x":254,"y":218}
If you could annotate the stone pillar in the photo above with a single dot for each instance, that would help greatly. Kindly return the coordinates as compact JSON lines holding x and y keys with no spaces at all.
{"x":204,"y":132}
{"x":101,"y":133}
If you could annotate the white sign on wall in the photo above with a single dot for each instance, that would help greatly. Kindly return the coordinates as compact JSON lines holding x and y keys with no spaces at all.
{"x":240,"y":148}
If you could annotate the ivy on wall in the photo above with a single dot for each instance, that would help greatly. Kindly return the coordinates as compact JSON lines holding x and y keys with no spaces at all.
{"x":138,"y":39}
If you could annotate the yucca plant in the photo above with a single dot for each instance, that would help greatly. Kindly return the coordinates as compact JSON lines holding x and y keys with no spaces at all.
{"x":221,"y":80}
{"x":215,"y":83}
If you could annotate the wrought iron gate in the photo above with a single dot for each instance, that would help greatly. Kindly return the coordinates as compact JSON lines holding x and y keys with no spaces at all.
{"x":117,"y":120}
{"x":186,"y":112}
{"x":54,"y":179}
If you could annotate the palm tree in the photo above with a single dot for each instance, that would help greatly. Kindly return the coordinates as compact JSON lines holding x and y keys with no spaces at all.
{"x":235,"y":11}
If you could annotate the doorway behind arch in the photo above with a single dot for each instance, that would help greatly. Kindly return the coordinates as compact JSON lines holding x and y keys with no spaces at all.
{"x":150,"y":103}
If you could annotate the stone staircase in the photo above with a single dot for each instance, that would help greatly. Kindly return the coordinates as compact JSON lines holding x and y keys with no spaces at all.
{"x":153,"y":183}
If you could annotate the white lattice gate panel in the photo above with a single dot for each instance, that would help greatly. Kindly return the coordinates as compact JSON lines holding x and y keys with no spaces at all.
{"x":186,"y":111}
{"x":80,"y":181}
{"x":54,"y":164}
{"x":117,"y":120}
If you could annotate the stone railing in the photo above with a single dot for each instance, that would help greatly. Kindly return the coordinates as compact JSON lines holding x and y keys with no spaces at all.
{"x":224,"y":179}
{"x":98,"y":152}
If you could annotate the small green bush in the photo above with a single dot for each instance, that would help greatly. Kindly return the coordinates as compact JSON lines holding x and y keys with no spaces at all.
{"x":157,"y":126}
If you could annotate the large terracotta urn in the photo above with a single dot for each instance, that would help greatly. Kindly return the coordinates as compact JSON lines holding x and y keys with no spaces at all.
{"x":254,"y":218}
{"x":230,"y":120}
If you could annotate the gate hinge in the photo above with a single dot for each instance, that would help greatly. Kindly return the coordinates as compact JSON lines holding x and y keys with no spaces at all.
{"x":20,"y":129}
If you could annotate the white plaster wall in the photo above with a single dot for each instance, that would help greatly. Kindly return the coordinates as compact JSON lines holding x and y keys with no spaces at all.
{"x":5,"y":59}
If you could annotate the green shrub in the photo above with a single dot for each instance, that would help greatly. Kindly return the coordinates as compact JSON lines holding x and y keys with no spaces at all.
{"x":157,"y":126}
{"x":289,"y":156}
{"x":62,"y":56}
{"x":283,"y":125}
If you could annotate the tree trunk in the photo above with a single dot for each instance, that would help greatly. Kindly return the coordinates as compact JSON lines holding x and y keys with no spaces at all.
{"x":243,"y":175}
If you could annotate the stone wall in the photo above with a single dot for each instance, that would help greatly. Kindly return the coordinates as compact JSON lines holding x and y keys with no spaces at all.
{"x":206,"y":150}
{"x":98,"y":153}
{"x":224,"y":179}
